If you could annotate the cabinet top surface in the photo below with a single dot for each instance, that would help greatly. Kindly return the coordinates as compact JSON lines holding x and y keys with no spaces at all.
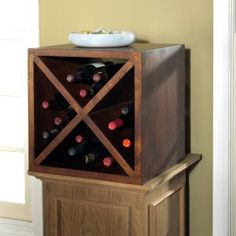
{"x":134,"y":48}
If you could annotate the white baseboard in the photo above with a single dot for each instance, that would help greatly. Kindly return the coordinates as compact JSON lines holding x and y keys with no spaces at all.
{"x":10,"y":227}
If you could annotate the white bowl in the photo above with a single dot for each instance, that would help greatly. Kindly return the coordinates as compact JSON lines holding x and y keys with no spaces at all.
{"x":119,"y":39}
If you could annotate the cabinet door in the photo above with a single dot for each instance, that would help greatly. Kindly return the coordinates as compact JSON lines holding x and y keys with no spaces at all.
{"x":85,"y":218}
{"x":81,"y":210}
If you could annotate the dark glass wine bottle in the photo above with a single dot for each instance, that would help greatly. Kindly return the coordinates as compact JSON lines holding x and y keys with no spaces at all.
{"x":106,"y":73}
{"x":85,"y":73}
{"x":79,"y":138}
{"x":127,"y":142}
{"x":115,"y":124}
{"x":57,"y":103}
{"x":84,"y":142}
{"x":58,"y":121}
{"x":93,"y":156}
{"x":100,"y":76}
{"x":70,"y":112}
{"x":128,"y":109}
{"x":91,"y":90}
{"x":77,"y":149}
{"x":108,"y":161}
{"x":50,"y":133}
{"x":61,"y":121}
{"x":126,"y":118}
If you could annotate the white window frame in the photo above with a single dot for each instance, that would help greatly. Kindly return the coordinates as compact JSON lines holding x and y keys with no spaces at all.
{"x":224,"y":118}
{"x":9,"y":227}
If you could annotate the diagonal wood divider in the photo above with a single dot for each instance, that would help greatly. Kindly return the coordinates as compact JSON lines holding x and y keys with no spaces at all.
{"x":82,"y":114}
{"x":58,"y":139}
{"x":71,"y":125}
{"x":109,"y":85}
{"x":57,"y":84}
{"x":109,"y":146}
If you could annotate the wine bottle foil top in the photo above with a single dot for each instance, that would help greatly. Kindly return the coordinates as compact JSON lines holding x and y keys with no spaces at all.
{"x":79,"y":138}
{"x":57,"y":121}
{"x":54,"y":131}
{"x":45,"y":104}
{"x":124,"y":110}
{"x":90,"y":157}
{"x":45,"y":135}
{"x":126,"y":143}
{"x":71,"y":152}
{"x":70,"y":78}
{"x":107,"y":161}
{"x":83,"y":93}
{"x":97,"y":77}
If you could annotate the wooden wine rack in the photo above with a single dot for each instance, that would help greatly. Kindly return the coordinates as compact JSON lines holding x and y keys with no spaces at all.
{"x":152,"y":76}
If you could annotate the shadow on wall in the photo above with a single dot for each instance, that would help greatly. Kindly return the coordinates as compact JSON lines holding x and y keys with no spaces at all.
{"x":187,"y":129}
{"x":187,"y":101}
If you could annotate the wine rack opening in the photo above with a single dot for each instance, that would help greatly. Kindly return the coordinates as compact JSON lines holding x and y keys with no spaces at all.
{"x":113,"y":114}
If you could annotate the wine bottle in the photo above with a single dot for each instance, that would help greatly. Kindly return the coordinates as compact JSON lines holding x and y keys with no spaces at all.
{"x":83,"y":143}
{"x":91,"y":91}
{"x":57,"y":103}
{"x":108,"y":161}
{"x":128,"y":109}
{"x":100,"y":76}
{"x":127,"y":142}
{"x":115,"y":124}
{"x":83,"y":134}
{"x":126,"y":118}
{"x":106,"y":73}
{"x":91,"y":157}
{"x":70,"y":112}
{"x":58,"y":121}
{"x":50,"y":133}
{"x":77,"y":149}
{"x":85,"y":73}
{"x":79,"y":138}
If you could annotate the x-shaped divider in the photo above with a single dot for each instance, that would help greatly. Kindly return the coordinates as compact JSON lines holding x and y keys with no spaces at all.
{"x":82,"y":114}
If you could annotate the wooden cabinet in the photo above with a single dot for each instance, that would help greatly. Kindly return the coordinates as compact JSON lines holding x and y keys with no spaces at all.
{"x":85,"y":207}
{"x":151,"y":77}
{"x":143,"y":192}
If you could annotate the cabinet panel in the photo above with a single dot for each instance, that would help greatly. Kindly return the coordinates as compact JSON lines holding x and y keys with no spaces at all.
{"x":166,"y":217}
{"x":84,"y":218}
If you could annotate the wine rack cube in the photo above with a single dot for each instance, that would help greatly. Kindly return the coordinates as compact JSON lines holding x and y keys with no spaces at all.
{"x":151,"y":77}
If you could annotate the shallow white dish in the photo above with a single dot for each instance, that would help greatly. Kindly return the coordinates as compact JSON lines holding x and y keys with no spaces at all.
{"x":119,"y":39}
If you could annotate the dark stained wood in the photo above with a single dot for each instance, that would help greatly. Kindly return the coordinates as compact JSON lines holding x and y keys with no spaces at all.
{"x":138,"y":114}
{"x":163,"y":110}
{"x":119,"y":52}
{"x":77,"y":174}
{"x":31,"y":110}
{"x":157,"y":88}
{"x":55,"y":175}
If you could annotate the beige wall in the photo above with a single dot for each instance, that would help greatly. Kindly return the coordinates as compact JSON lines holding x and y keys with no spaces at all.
{"x":177,"y":21}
